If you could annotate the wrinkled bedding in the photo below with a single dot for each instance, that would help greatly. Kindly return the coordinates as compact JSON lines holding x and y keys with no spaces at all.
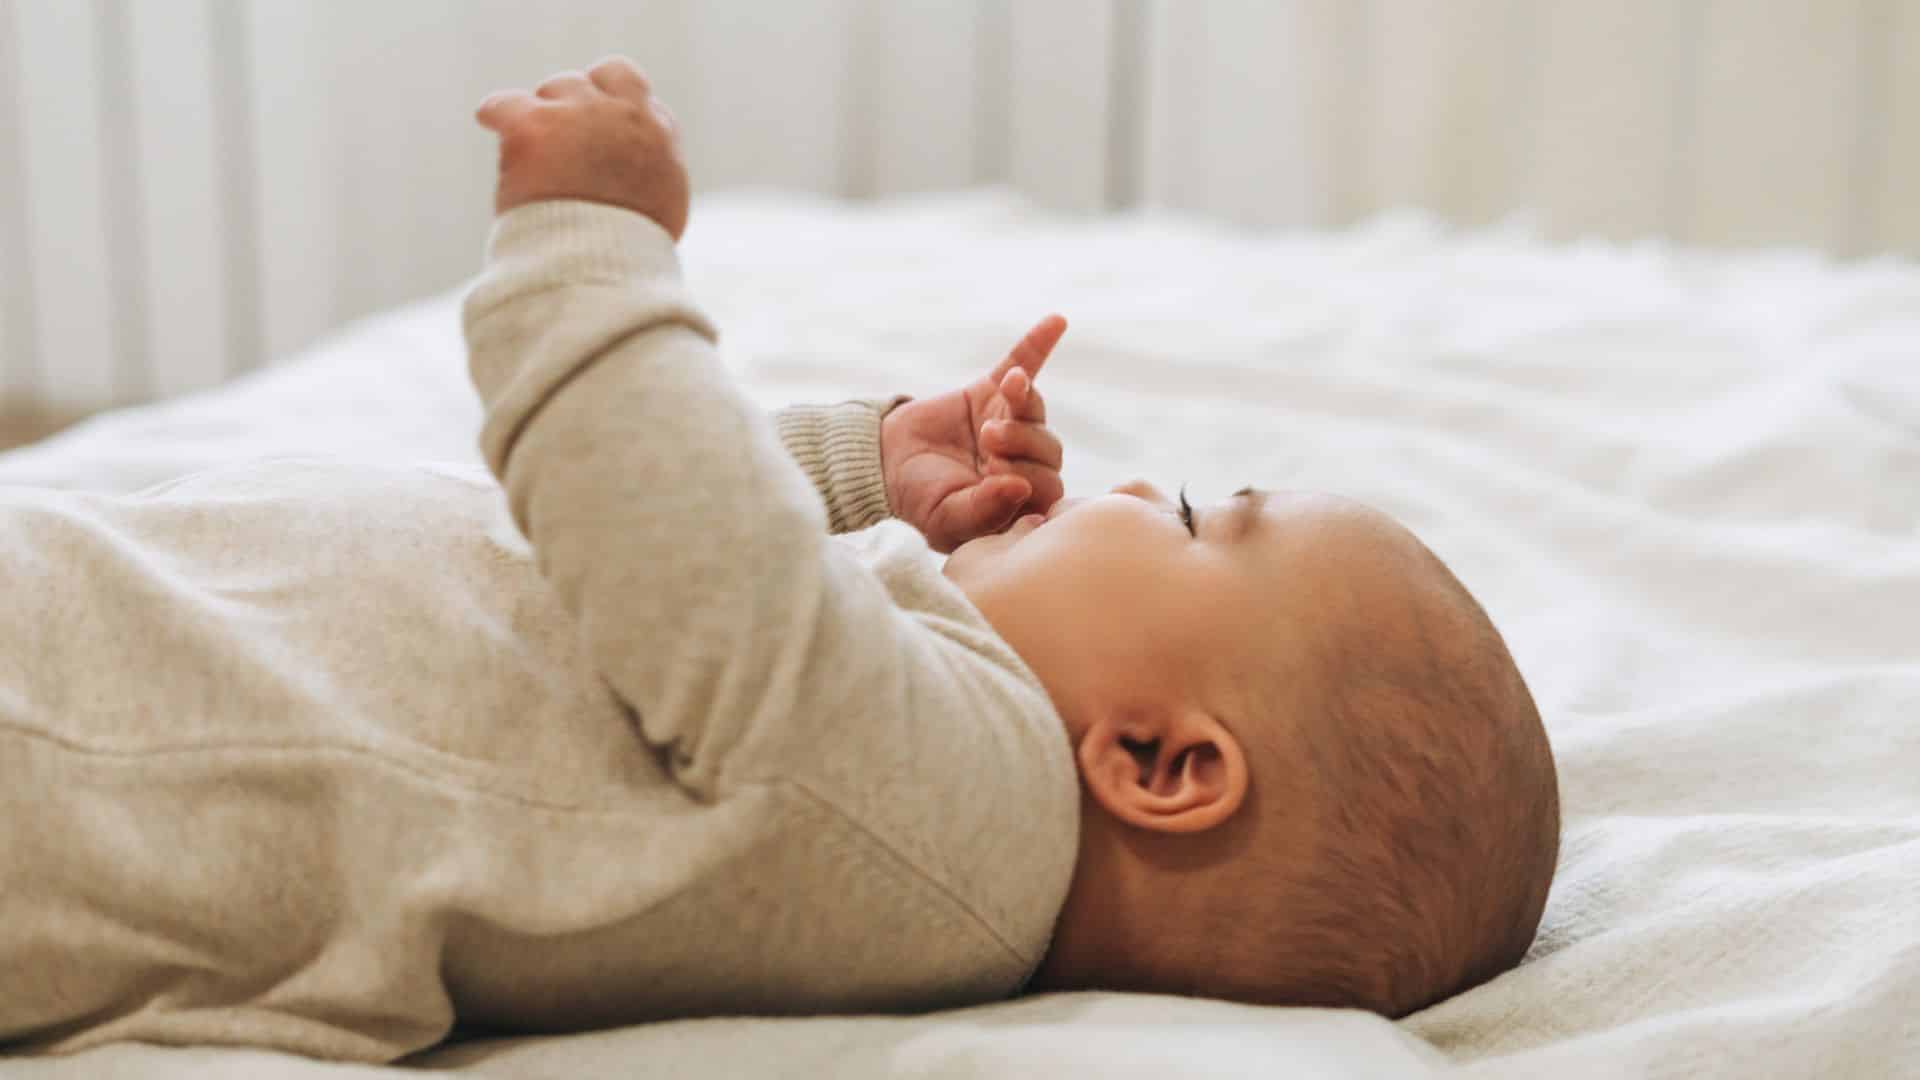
{"x":1686,"y":486}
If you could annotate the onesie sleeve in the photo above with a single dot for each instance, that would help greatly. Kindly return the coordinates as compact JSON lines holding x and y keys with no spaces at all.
{"x":838,"y":447}
{"x":665,"y":511}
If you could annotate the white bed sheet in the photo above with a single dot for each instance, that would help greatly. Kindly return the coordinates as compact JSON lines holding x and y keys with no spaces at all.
{"x":1687,"y":487}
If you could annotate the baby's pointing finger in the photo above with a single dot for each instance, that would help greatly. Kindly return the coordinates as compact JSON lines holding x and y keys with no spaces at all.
{"x":1033,"y":350}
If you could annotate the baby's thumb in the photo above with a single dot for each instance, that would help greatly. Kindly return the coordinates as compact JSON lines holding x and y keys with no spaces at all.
{"x":992,"y":504}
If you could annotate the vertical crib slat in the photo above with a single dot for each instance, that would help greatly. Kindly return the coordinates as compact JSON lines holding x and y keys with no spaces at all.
{"x":18,"y":345}
{"x":992,"y":87}
{"x":1232,"y":131}
{"x":414,"y":169}
{"x":123,"y":188}
{"x":768,"y":105}
{"x":1774,"y":129}
{"x":176,"y":147}
{"x":1181,"y":80}
{"x":914,"y":103}
{"x":1616,"y":86}
{"x":237,"y":177}
{"x":1893,"y":180}
{"x":66,"y":241}
{"x":1060,"y":86}
{"x":289,"y":52}
{"x":1453,"y":105}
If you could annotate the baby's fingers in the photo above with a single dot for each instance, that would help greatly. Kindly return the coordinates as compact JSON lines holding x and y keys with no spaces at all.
{"x":983,"y":508}
{"x":505,"y":108}
{"x":1024,"y":401}
{"x":1016,"y":440}
{"x":618,"y":76}
{"x":565,"y":86}
{"x":1044,"y":481}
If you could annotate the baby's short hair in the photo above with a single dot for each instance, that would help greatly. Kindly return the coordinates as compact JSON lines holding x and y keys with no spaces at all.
{"x":1441,"y":829}
{"x":1436,"y":831}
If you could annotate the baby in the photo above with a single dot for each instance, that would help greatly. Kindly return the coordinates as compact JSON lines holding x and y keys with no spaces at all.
{"x":331,"y":758}
{"x":1310,"y":772}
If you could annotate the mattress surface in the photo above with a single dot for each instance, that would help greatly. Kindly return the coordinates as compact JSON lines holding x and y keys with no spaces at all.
{"x":1685,"y":486}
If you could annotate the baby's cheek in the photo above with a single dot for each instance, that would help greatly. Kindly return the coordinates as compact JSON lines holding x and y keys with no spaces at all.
{"x":971,"y":561}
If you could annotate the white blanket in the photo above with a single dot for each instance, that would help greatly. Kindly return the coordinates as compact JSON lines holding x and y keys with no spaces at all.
{"x":1687,"y":488}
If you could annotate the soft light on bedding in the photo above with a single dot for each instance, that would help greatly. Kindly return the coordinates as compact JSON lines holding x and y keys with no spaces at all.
{"x":1685,"y":486}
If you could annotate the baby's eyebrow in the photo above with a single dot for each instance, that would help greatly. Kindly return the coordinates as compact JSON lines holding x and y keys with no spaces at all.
{"x":1247,"y":514}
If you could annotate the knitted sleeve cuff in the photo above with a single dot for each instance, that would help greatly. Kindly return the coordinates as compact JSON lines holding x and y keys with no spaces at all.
{"x":838,"y":447}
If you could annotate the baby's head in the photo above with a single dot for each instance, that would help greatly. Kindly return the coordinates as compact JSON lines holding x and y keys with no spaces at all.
{"x":1310,"y":772}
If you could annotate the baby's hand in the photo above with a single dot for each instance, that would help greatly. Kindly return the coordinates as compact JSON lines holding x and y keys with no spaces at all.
{"x":599,"y":136}
{"x":971,"y":461}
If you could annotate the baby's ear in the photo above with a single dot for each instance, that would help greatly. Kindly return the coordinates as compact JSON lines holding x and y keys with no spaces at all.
{"x":1179,"y":771}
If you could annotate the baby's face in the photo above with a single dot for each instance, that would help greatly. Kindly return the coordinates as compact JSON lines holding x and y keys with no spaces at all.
{"x":1115,"y":592}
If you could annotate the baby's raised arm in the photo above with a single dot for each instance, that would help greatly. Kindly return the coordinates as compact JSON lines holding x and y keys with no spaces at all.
{"x":660,"y":502}
{"x":771,"y":665}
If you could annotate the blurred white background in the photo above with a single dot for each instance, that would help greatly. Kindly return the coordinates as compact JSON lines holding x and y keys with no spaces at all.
{"x":192,"y":188}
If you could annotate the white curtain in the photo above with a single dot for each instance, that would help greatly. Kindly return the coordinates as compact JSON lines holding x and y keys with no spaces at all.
{"x":189,"y":188}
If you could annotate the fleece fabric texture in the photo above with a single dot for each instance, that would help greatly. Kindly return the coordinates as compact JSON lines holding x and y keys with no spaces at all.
{"x":326,"y":756}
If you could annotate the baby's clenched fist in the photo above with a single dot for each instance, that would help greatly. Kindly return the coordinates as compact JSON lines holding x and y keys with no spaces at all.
{"x":600,"y":136}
